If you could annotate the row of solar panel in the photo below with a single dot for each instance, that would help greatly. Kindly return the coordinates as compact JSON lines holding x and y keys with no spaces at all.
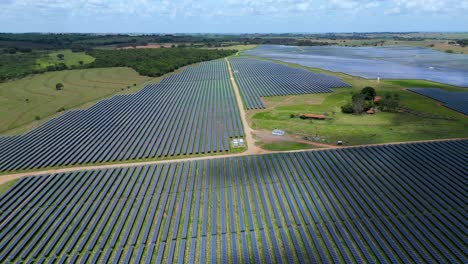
{"x":258,"y":78}
{"x":167,"y":119}
{"x":395,"y":203}
{"x":457,"y":101}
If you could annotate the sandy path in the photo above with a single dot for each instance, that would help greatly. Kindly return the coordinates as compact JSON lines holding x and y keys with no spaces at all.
{"x":10,"y":177}
{"x":251,"y":147}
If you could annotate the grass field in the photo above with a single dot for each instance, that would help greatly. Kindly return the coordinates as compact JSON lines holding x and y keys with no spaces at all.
{"x":285,"y":145}
{"x":70,"y":59}
{"x":431,"y":121}
{"x":22,"y":101}
{"x":239,"y":47}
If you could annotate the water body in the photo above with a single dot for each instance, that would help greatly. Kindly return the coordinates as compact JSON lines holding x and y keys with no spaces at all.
{"x":392,"y":62}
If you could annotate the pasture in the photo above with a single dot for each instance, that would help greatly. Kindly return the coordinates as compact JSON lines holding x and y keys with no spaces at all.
{"x":70,"y":59}
{"x":367,"y":204}
{"x":426,"y":120}
{"x":35,"y":96}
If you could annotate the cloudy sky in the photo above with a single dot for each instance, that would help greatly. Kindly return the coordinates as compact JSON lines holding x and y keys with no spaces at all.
{"x":232,"y":16}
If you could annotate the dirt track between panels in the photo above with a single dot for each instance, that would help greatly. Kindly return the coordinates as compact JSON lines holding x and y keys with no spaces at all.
{"x":14,"y":176}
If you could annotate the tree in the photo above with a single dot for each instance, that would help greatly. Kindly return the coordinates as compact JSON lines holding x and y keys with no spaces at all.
{"x":347,"y":109}
{"x":59,"y":86}
{"x":359,"y":103}
{"x":81,"y":62}
{"x":368,"y":92}
{"x":60,"y":56}
{"x":390,"y":103}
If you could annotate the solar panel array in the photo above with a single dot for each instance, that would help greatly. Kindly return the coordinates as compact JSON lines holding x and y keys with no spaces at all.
{"x":179,"y":116}
{"x":402,"y":203}
{"x":457,"y":101}
{"x":259,"y":78}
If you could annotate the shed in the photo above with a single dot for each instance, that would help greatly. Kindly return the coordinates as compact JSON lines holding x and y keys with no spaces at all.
{"x":377,"y":99}
{"x":313,"y":116}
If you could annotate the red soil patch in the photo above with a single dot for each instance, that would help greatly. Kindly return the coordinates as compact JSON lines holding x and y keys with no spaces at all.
{"x":150,"y":46}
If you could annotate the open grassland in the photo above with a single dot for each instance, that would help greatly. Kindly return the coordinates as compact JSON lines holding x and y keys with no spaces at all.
{"x":285,"y":145}
{"x":428,"y":120}
{"x":24,"y":100}
{"x":70,"y":59}
{"x":240,"y":47}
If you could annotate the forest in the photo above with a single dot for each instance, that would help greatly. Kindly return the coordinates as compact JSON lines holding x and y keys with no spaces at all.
{"x":154,"y":62}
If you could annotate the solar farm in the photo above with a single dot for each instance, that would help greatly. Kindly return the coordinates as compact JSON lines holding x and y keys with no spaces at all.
{"x":457,"y":101}
{"x":259,"y":78}
{"x":188,"y":113}
{"x":377,"y":204}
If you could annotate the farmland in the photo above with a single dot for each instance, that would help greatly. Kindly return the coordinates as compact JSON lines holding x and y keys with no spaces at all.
{"x":190,"y":112}
{"x":21,"y":101}
{"x":367,"y":204}
{"x":259,"y":78}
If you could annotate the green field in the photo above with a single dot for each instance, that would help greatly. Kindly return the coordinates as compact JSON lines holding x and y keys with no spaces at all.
{"x":285,"y":145}
{"x":70,"y":59}
{"x":22,"y":101}
{"x":428,"y":120}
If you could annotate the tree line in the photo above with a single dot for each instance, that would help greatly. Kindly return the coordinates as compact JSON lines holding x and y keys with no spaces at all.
{"x":154,"y":62}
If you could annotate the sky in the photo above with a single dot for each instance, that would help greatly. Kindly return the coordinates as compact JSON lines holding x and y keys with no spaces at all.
{"x":232,"y":16}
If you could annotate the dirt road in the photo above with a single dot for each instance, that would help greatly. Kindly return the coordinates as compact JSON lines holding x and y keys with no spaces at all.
{"x":14,"y":176}
{"x":251,"y":147}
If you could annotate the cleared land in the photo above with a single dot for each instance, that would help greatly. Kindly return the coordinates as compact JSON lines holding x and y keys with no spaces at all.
{"x":426,"y":118}
{"x":22,"y":101}
{"x":69,"y":58}
{"x":369,"y":204}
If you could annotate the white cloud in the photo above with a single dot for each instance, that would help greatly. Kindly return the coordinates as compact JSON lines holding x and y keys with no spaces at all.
{"x":201,"y":8}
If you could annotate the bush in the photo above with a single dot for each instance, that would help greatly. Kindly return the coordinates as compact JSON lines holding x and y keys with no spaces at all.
{"x":390,"y":103}
{"x":59,"y":86}
{"x":292,"y":116}
{"x":347,"y":109}
{"x":359,"y":103}
{"x":37,"y":117}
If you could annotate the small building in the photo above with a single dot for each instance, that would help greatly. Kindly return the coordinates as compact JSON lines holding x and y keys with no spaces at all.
{"x":377,"y":99}
{"x":313,"y":116}
{"x":370,"y":111}
{"x":277,"y":132}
